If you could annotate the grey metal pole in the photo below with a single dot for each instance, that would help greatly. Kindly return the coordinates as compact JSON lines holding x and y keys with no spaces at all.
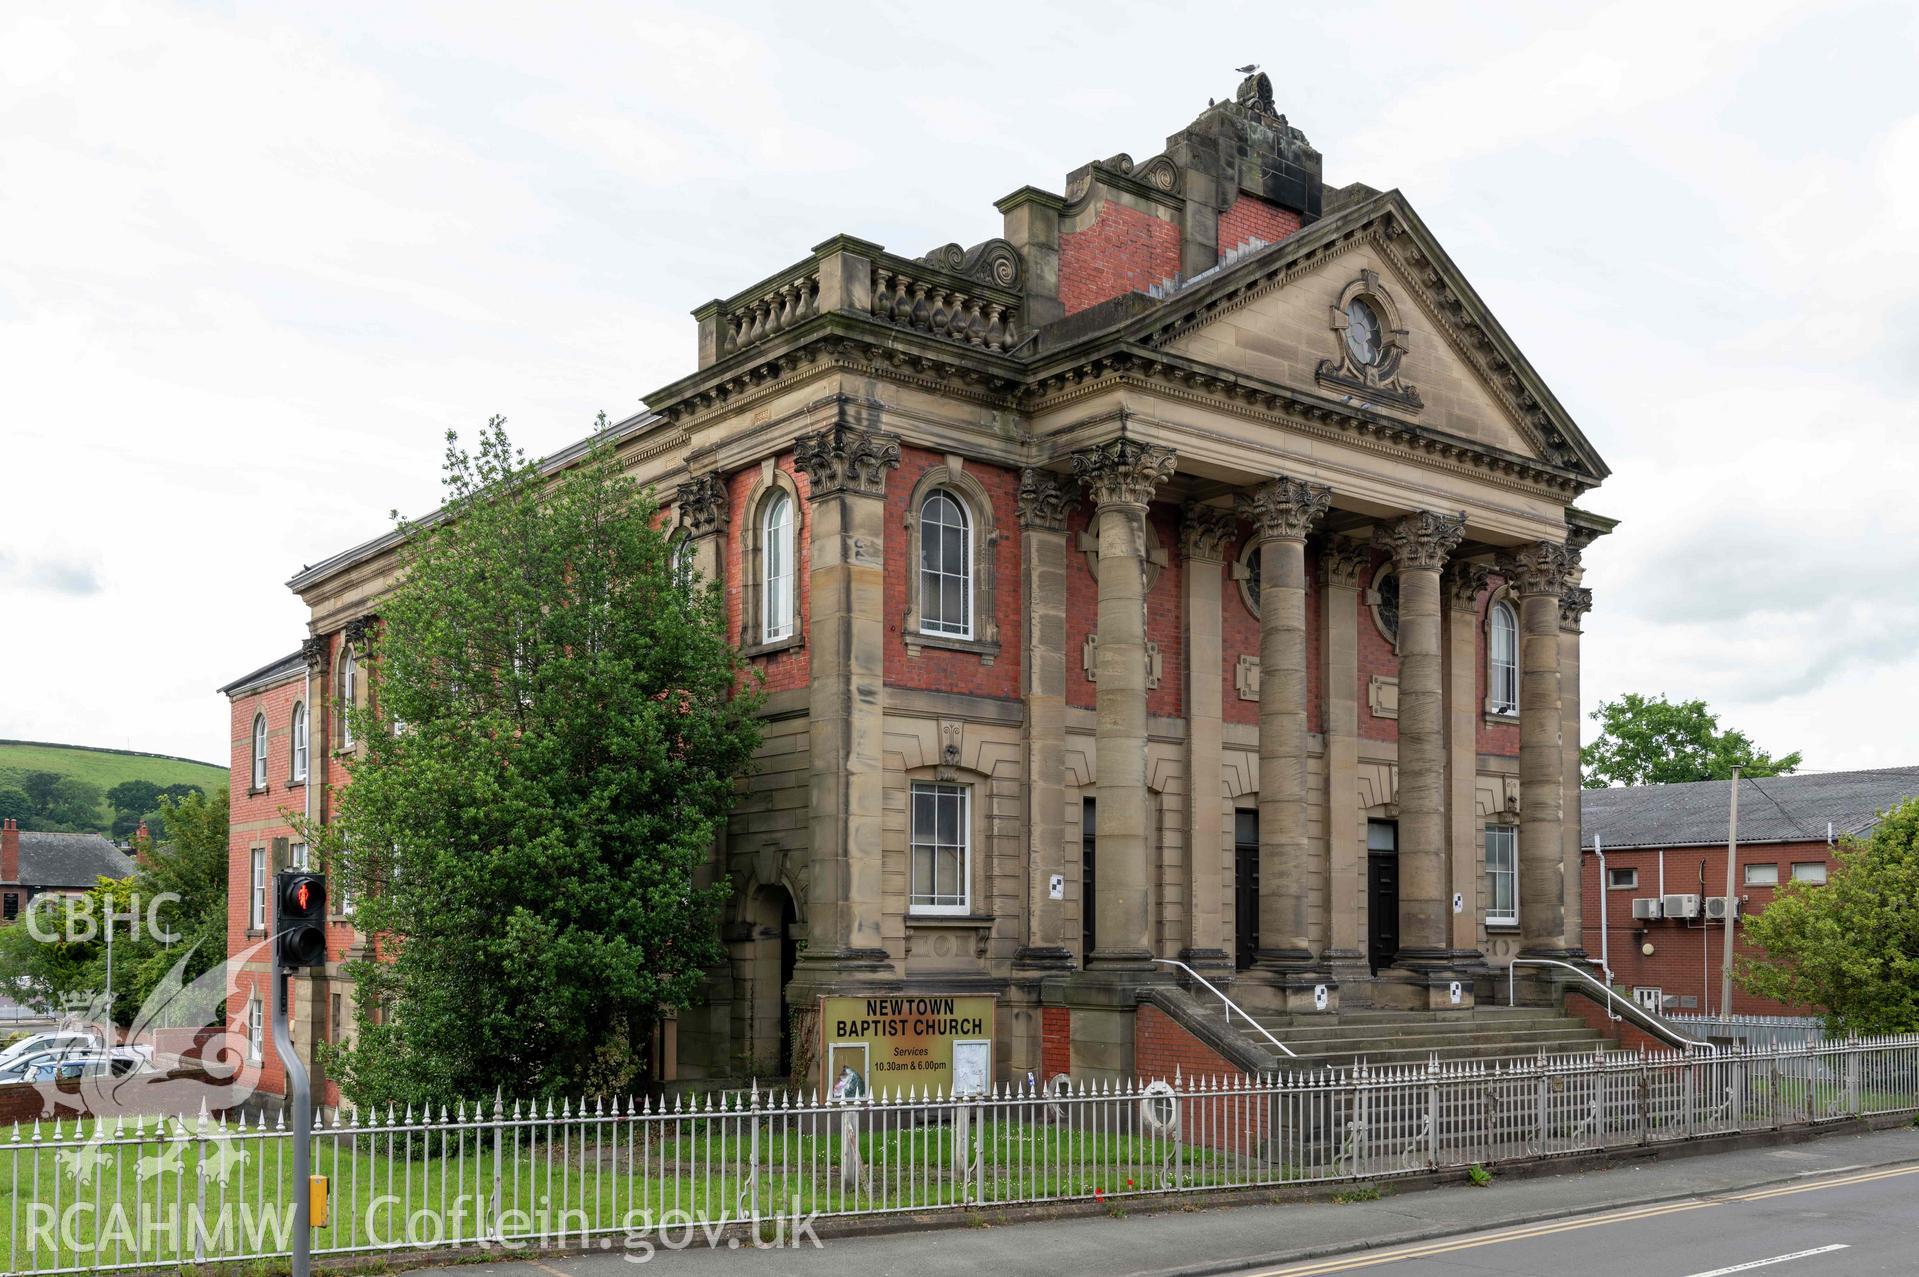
{"x":298,"y":1095}
{"x":1732,"y":860}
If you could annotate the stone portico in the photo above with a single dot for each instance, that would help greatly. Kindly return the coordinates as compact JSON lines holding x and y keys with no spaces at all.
{"x":1191,"y":573}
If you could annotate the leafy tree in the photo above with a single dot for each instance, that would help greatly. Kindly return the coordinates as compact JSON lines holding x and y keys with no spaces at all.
{"x":1653,"y":741}
{"x":14,"y":802}
{"x":550,"y":748}
{"x":190,"y":864}
{"x":1852,"y":945}
{"x":53,"y":802}
{"x":136,"y":796}
{"x":180,"y":791}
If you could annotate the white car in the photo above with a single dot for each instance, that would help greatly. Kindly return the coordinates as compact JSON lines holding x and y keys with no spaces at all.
{"x":41,"y":1046}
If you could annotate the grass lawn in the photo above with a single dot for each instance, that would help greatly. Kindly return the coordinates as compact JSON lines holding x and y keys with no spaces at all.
{"x":105,"y":768}
{"x":598,"y":1177}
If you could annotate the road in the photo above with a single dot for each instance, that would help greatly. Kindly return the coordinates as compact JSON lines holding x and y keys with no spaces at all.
{"x":1665,"y":1217}
{"x":1835,"y":1226}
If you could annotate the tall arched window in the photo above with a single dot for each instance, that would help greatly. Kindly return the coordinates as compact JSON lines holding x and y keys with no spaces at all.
{"x":299,"y":741}
{"x":259,"y":751}
{"x":776,"y":565}
{"x":1502,"y":677}
{"x":946,"y":566}
{"x":349,"y":684}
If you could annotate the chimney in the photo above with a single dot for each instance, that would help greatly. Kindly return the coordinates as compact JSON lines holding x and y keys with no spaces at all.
{"x":142,"y":841}
{"x":10,"y":851}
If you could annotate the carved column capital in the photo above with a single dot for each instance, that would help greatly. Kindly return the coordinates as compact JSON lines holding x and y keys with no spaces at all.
{"x":1540,"y":567}
{"x":1574,"y":603}
{"x":1285,"y":508}
{"x":846,"y":459}
{"x":1423,"y":538}
{"x":313,"y":651}
{"x":703,"y":505}
{"x":360,"y":629}
{"x":1343,"y":562}
{"x":1463,"y":583}
{"x":1044,"y":499}
{"x":1206,"y":531}
{"x":1122,"y":471}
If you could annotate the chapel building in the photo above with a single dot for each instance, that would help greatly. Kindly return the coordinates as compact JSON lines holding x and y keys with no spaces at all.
{"x":1190,"y":574}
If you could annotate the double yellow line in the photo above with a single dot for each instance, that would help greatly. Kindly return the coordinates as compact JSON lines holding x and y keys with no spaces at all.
{"x":1444,"y":1246}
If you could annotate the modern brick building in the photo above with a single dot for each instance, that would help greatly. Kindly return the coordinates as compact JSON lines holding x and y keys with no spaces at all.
{"x":1191,"y":573}
{"x":1664,"y":851}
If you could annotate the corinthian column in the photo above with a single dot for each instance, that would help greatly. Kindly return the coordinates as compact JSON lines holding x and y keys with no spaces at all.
{"x":1282,"y":513}
{"x":1539,"y":574}
{"x":1420,"y":543}
{"x":1043,"y":502}
{"x":1573,"y":605}
{"x":846,"y":472}
{"x":1204,"y":536}
{"x":1120,"y":477}
{"x":703,"y":509}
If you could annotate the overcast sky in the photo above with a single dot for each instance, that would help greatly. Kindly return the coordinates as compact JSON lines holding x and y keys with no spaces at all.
{"x":253,"y":263}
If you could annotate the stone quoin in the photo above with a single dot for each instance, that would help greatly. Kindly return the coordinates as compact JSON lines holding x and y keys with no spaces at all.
{"x":1192,"y":572}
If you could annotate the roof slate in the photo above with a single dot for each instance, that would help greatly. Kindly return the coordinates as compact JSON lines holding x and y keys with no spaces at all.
{"x":69,"y":860}
{"x":1776,"y":809}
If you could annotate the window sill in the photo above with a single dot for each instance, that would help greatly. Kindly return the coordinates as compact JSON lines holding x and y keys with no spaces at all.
{"x":790,"y":643}
{"x":253,"y":791}
{"x":1502,"y":928}
{"x":295,"y":784}
{"x":986,"y":649}
{"x":1494,"y":718}
{"x":949,"y":919}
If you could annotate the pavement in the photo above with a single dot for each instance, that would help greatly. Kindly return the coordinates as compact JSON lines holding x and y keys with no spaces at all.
{"x":1827,"y":1207}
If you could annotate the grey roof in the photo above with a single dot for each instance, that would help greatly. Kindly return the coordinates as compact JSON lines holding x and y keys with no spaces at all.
{"x":69,"y":860}
{"x":1776,"y":809}
{"x":272,"y":672}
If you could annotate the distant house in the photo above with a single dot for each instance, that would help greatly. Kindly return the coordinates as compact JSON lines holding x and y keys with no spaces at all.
{"x":1665,"y":863}
{"x":34,"y":864}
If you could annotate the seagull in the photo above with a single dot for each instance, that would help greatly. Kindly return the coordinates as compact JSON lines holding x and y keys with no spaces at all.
{"x":1248,"y":69}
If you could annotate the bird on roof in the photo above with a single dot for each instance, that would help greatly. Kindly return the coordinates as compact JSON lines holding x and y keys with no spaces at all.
{"x":1248,"y":69}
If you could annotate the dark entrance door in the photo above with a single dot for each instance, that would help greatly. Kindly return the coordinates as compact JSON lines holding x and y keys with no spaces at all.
{"x":1382,"y":893}
{"x":1245,"y":888}
{"x":1087,"y":831}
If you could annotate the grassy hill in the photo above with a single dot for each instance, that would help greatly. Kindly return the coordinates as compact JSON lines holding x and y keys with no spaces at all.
{"x":105,"y":768}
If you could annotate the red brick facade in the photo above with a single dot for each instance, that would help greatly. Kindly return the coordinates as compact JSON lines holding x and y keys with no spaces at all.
{"x":1251,"y":217}
{"x":1685,"y":961}
{"x":1123,"y":251}
{"x":935,"y":668}
{"x":1056,"y":1041}
{"x":1164,"y":1051}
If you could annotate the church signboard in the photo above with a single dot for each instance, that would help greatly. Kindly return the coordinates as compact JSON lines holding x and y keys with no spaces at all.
{"x":899,"y":1042}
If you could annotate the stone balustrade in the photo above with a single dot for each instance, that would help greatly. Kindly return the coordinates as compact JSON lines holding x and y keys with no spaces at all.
{"x":762,"y":313}
{"x":943,"y":303}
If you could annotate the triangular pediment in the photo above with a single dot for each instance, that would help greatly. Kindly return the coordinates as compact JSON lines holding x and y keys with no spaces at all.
{"x":1278,"y":315}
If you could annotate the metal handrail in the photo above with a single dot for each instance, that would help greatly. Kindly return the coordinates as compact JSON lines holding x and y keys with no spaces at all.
{"x":1231,"y":1006}
{"x":1657,"y":1026}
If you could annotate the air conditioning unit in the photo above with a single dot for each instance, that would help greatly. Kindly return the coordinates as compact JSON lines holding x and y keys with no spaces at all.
{"x":1646,"y":909}
{"x":1721,"y":908}
{"x":1679,"y":906}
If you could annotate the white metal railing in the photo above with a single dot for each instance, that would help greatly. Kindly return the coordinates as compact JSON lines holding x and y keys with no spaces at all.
{"x":1653,"y":1024}
{"x":1232,"y":1007}
{"x":163,"y":1193}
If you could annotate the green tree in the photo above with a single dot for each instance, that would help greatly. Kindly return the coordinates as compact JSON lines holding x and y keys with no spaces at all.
{"x":136,"y":796}
{"x":1653,"y":741}
{"x":15,"y":803}
{"x":551,"y":744}
{"x":185,"y":876}
{"x":1852,"y":945}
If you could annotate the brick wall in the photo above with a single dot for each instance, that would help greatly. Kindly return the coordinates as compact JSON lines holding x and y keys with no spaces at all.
{"x":1251,"y":217}
{"x":1685,"y":961}
{"x":1123,"y":251}
{"x":1163,"y":1050}
{"x":1055,"y":1041}
{"x":788,"y":669}
{"x":934,"y":668}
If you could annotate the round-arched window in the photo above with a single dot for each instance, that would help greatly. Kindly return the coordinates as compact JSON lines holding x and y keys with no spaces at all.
{"x":946,"y":566}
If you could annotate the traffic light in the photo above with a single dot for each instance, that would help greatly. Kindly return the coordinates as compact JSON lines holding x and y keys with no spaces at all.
{"x":299,"y":920}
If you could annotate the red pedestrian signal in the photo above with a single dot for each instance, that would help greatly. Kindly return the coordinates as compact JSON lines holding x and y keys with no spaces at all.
{"x":299,"y":923}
